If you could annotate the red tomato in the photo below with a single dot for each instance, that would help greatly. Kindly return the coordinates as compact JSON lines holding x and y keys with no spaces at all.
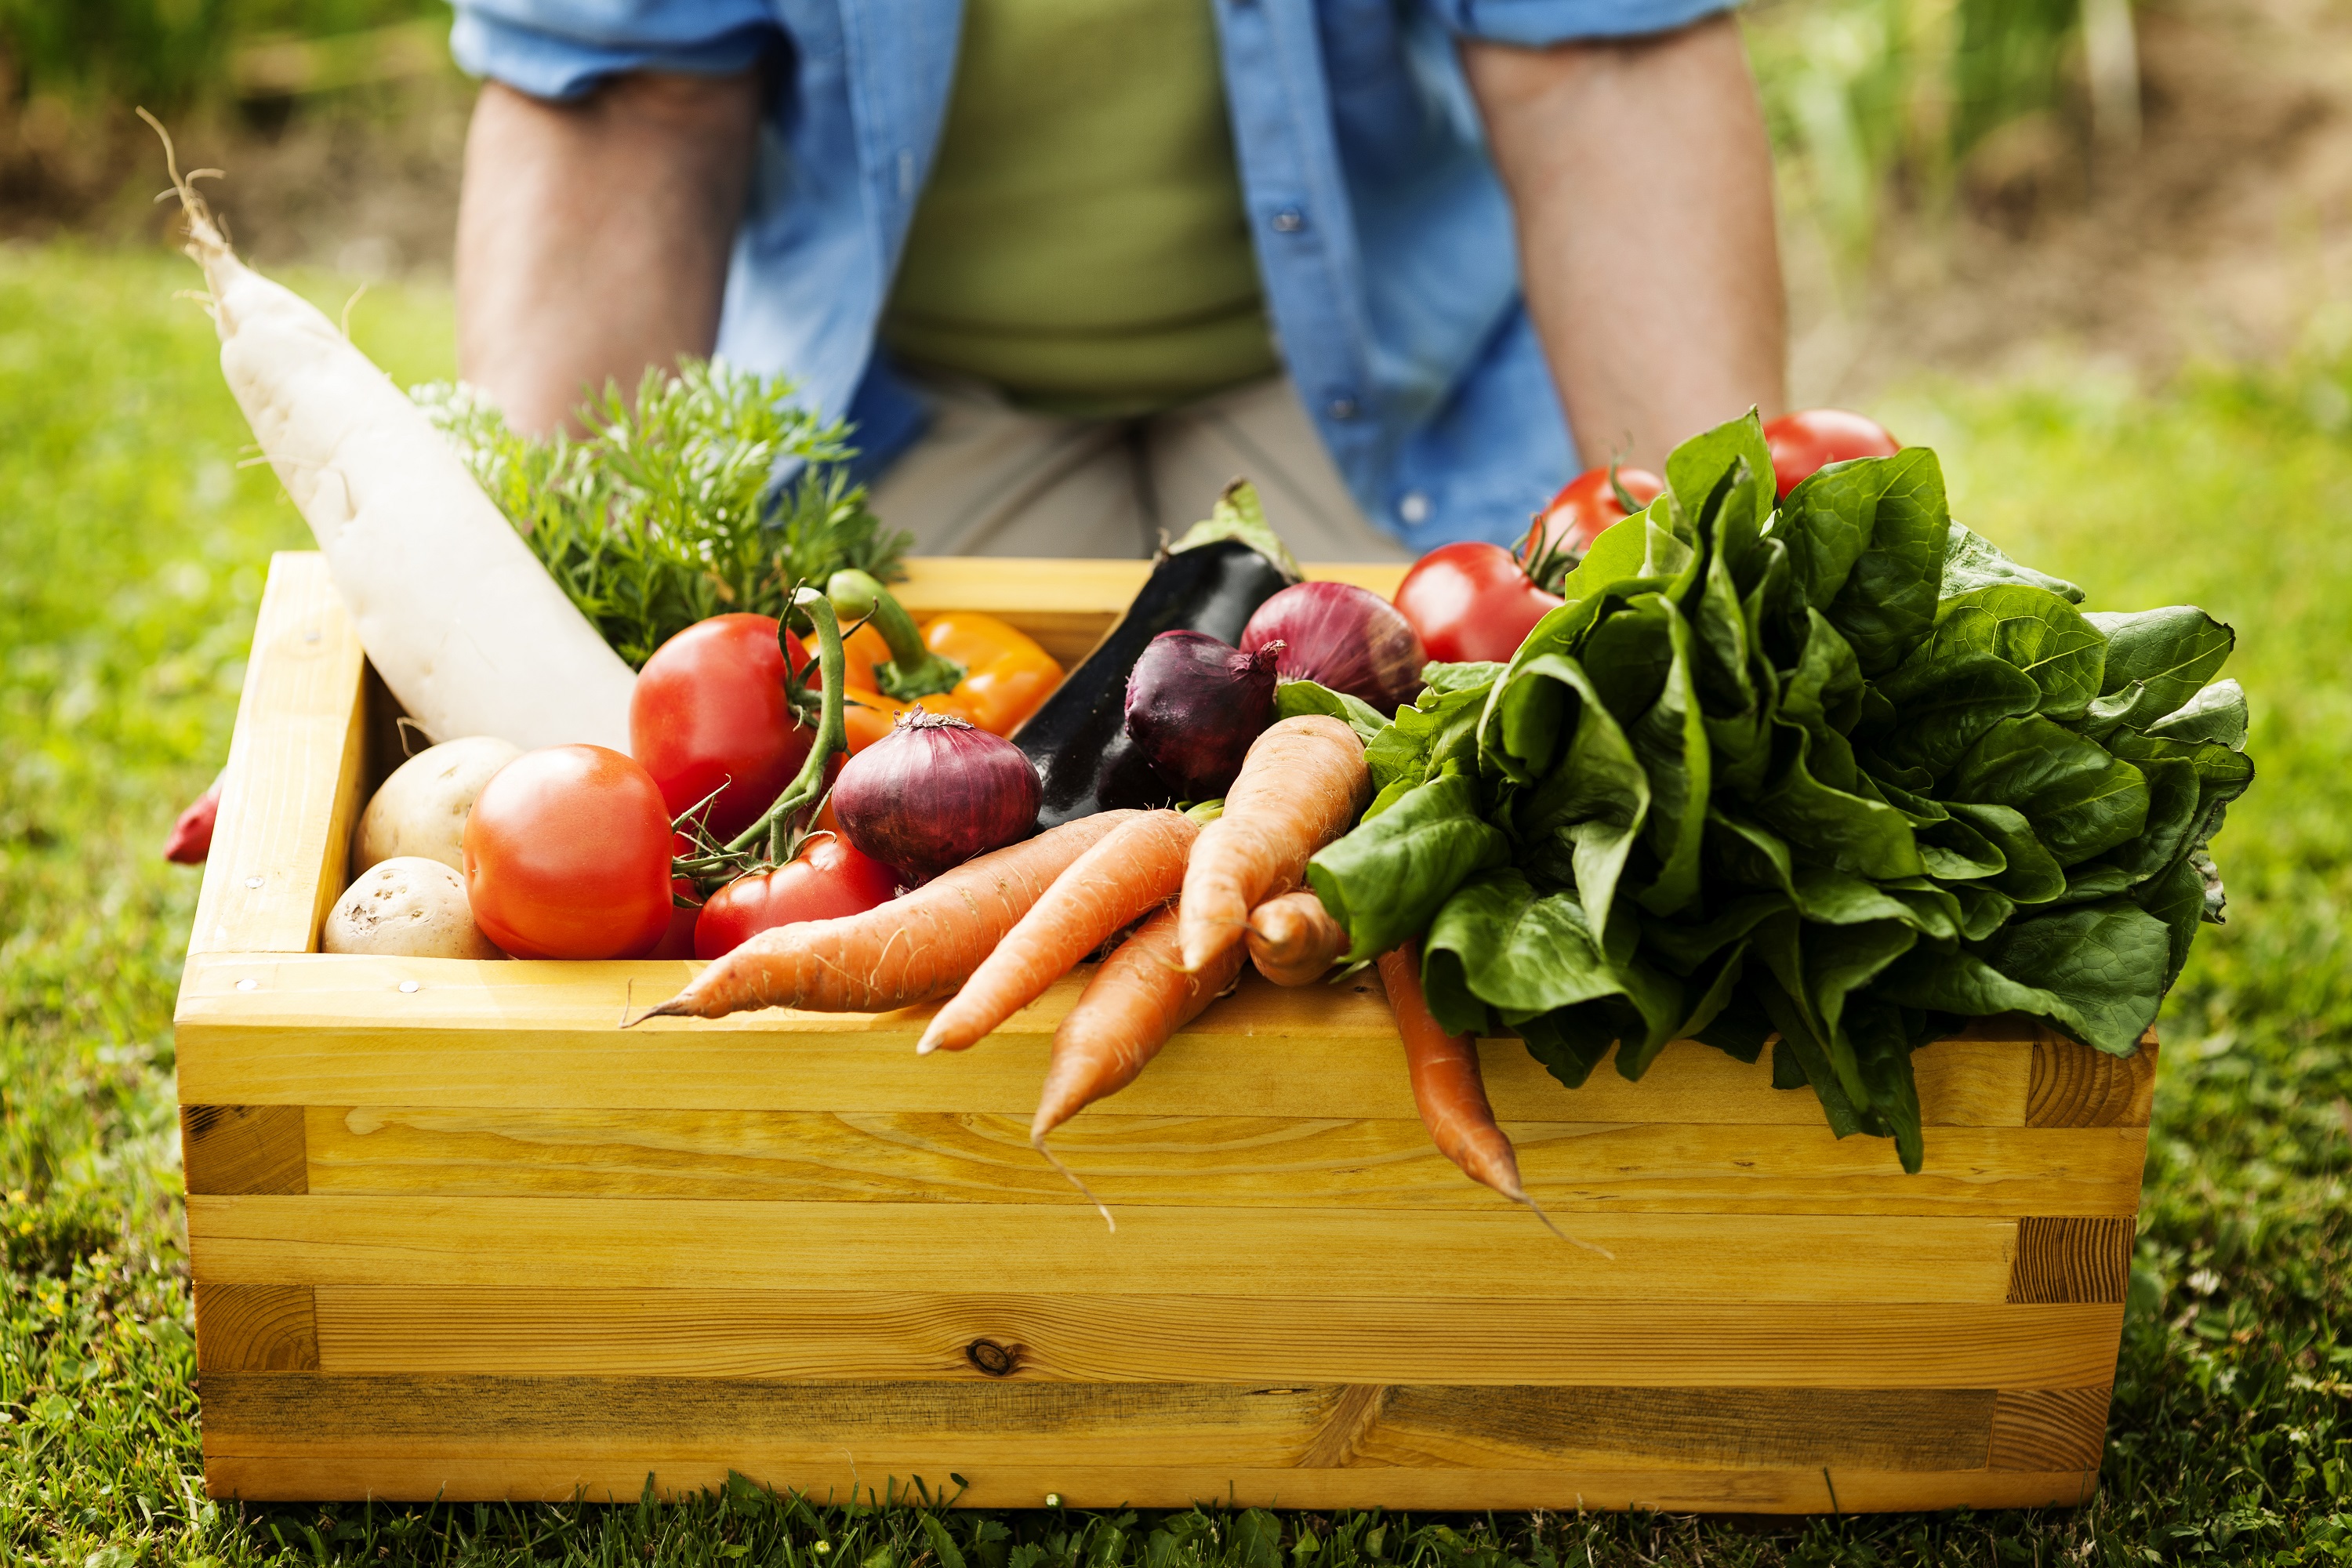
{"x":1587,"y":507}
{"x":567,"y":856}
{"x":1469,"y":600}
{"x":826,"y":880}
{"x":709,"y":709}
{"x":1813,"y":437}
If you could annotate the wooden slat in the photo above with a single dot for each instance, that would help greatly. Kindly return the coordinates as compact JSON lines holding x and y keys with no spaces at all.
{"x":290,"y":791}
{"x":1284,"y":1161}
{"x":1186,"y":1425}
{"x":2074,"y":1259}
{"x":255,"y":1328}
{"x":243,"y":1149}
{"x":336,"y":1030}
{"x":1068,"y":605}
{"x":1304,"y":1252}
{"x":2075,"y":1086}
{"x":2049,"y":1429}
{"x":470,"y":1477}
{"x":896,"y":1335}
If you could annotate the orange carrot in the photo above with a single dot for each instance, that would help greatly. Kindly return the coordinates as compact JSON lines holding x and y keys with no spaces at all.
{"x":1451,"y":1092}
{"x":1303,"y":783}
{"x":910,"y":950}
{"x":1294,"y":940}
{"x":1137,"y":865}
{"x":1136,"y":1000}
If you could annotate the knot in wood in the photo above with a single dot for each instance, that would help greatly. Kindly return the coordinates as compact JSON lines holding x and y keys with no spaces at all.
{"x":993,"y":1359}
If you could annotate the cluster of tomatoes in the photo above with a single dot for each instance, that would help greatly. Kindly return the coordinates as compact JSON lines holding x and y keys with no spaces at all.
{"x":568,"y":851}
{"x":1477,"y":600}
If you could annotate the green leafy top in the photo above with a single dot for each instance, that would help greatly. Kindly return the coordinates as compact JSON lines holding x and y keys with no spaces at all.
{"x":669,"y":509}
{"x":1837,"y":772}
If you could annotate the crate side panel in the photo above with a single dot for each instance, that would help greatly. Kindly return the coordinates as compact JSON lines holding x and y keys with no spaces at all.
{"x":470,"y":1477}
{"x":1279,"y":1161}
{"x":1300,"y":1252}
{"x":894,"y":1335}
{"x":1186,"y":1425}
{"x":327,"y":1030}
{"x":290,"y":791}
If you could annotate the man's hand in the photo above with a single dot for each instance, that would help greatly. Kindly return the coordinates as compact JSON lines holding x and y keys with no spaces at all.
{"x":593,"y":236}
{"x":1643,"y":184}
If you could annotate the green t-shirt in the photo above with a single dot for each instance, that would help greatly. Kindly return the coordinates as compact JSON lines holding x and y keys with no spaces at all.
{"x":1082,"y":244}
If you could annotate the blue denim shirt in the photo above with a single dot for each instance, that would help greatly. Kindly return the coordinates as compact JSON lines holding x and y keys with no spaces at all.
{"x":1383,"y":239}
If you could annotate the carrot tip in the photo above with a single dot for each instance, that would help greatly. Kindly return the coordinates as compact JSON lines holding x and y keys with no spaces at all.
{"x":675,"y":1007}
{"x":1037,"y":1142}
{"x":1537,"y":1209}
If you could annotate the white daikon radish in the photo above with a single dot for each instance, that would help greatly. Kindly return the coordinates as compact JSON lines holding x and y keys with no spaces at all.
{"x":461,"y":620}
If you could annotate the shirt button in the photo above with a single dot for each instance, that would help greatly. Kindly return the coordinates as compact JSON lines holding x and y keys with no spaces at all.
{"x":1413,"y":507}
{"x":1341,"y":408}
{"x":1289,"y":220}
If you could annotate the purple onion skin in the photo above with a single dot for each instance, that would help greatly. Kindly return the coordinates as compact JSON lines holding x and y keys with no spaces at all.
{"x":1193,"y":706}
{"x":932,"y":793}
{"x":1346,"y":638}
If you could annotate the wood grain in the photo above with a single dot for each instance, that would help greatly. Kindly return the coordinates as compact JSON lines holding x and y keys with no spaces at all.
{"x":255,"y":1328}
{"x":2049,"y":1429}
{"x":243,"y":1148}
{"x":338,"y":1030}
{"x":291,"y":792}
{"x":2075,"y":1086}
{"x":969,"y":1157}
{"x":2075,"y":1258}
{"x":896,"y":1335}
{"x":468,"y":1477}
{"x":895,"y":1424}
{"x":1499,"y":1253}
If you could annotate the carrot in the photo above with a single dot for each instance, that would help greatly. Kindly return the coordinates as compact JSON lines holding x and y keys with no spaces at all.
{"x":910,"y":950}
{"x":1303,"y":783}
{"x":1137,"y":865}
{"x":1450,"y":1092}
{"x":1136,"y":1000}
{"x":1294,"y":940}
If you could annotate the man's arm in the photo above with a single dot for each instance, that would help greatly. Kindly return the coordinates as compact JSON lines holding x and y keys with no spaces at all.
{"x":1643,"y":184}
{"x":592,"y":235}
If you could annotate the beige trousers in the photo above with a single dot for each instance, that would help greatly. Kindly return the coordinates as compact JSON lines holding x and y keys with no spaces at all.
{"x":989,"y":479}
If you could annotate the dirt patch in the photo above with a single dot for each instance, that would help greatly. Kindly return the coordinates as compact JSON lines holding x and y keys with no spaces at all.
{"x":2227,"y":235}
{"x":365,"y":182}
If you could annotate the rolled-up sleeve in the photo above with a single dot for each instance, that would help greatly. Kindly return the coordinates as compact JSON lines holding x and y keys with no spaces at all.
{"x":561,"y":48}
{"x":1540,"y":22}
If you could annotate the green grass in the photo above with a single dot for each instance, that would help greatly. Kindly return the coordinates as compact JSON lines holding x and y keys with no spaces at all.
{"x":132,"y":549}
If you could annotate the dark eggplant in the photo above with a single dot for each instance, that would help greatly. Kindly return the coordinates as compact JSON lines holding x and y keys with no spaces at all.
{"x":1211,"y":581}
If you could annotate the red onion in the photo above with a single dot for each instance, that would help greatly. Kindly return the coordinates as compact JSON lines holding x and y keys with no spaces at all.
{"x":1193,"y":706}
{"x":1339,"y":636}
{"x":934,"y":793}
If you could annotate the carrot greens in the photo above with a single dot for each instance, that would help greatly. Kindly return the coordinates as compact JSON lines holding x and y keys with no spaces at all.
{"x":709,"y":491}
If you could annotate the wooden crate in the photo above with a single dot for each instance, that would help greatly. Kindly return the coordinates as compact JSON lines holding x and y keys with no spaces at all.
{"x":456,"y":1235}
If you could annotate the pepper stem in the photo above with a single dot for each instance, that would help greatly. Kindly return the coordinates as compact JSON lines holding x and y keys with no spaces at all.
{"x":914,"y":670}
